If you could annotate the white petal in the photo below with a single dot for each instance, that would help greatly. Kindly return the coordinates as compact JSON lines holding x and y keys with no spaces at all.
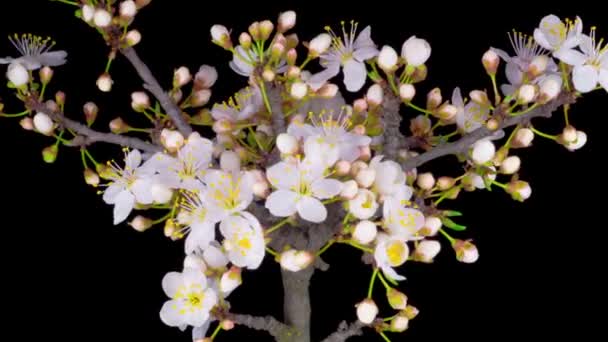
{"x":282,"y":203}
{"x":311,"y":209}
{"x":170,"y":315}
{"x":253,"y":221}
{"x":603,"y":79}
{"x":540,"y":38}
{"x":199,"y":333}
{"x":112,"y":191}
{"x":171,"y":281}
{"x":54,"y":58}
{"x":570,"y":56}
{"x":585,"y":78}
{"x":283,"y":175}
{"x":354,"y":75}
{"x":389,"y":272}
{"x":586,"y":45}
{"x":457,"y":98}
{"x":513,"y":73}
{"x":133,"y":159}
{"x":326,"y":188}
{"x":317,"y":80}
{"x":349,"y":152}
{"x":364,"y":39}
{"x":200,"y":236}
{"x":125,"y":201}
{"x":365,"y":53}
{"x":502,"y":54}
{"x":141,"y":190}
{"x":192,"y":276}
{"x":214,"y":257}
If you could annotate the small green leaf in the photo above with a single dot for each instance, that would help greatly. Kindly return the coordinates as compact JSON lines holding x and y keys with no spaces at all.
{"x":452,"y":225}
{"x":391,"y":280}
{"x":452,"y":213}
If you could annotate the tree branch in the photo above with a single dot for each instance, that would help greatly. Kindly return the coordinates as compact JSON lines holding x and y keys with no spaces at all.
{"x":270,"y":324}
{"x":345,"y":331}
{"x":151,"y":84}
{"x":88,"y":135}
{"x":461,"y":145}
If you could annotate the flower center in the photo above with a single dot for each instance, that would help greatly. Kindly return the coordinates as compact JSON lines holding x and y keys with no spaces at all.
{"x":395,"y":252}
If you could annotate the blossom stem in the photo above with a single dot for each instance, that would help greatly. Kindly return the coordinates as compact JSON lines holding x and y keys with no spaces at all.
{"x":508,"y":143}
{"x":91,"y":157}
{"x":255,"y":138}
{"x":326,"y":247}
{"x":391,"y":81}
{"x":306,"y":61}
{"x":565,"y":75}
{"x":216,"y":331}
{"x":500,"y":185}
{"x":384,"y":336}
{"x":84,"y":159}
{"x":135,"y":129}
{"x":271,"y":252}
{"x":148,"y":115}
{"x":410,"y":104}
{"x":265,"y":97}
{"x":447,"y":236}
{"x":544,"y":135}
{"x":383,"y":281}
{"x":525,"y":110}
{"x":277,"y":226}
{"x":59,"y":139}
{"x":390,"y":318}
{"x":495,"y":87}
{"x":358,"y":246}
{"x":73,"y":3}
{"x":109,"y":64}
{"x":25,"y":112}
{"x":42,"y":91}
{"x":370,"y":289}
{"x":566,"y":109}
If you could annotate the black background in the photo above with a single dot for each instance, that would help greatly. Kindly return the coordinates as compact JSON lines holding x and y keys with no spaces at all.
{"x":68,"y":274}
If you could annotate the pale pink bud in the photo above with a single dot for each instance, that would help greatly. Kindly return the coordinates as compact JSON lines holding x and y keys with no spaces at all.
{"x":480,"y":97}
{"x":287,"y":20}
{"x":581,"y":140}
{"x":266,"y":28}
{"x":569,"y":134}
{"x":104,"y":82}
{"x":416,"y":51}
{"x":171,"y":140}
{"x":360,"y":105}
{"x":550,"y":87}
{"x":90,"y":112}
{"x":466,"y":251}
{"x":490,"y":62}
{"x":433,"y":98}
{"x":91,"y":177}
{"x":526,"y":93}
{"x":261,"y":189}
{"x":43,"y":124}
{"x":287,"y":144}
{"x":319,"y":44}
{"x":140,"y":101}
{"x":538,"y":65}
{"x":519,"y":190}
{"x":17,"y":74}
{"x":133,"y":37}
{"x":141,"y":223}
{"x":387,"y":59}
{"x":447,"y":112}
{"x":298,"y":90}
{"x":46,"y":73}
{"x":407,"y":92}
{"x":483,"y":151}
{"x":365,"y":153}
{"x":118,"y":126}
{"x":292,"y":56}
{"x":426,"y":181}
{"x":396,"y":299}
{"x":181,"y":77}
{"x":427,"y":250}
{"x":367,"y":310}
{"x":88,"y":12}
{"x":349,"y":189}
{"x":245,"y":40}
{"x":268,"y":75}
{"x":328,"y":90}
{"x":366,"y":177}
{"x":400,"y":323}
{"x":295,"y":261}
{"x":128,"y":9}
{"x":27,"y":123}
{"x":375,"y":95}
{"x":510,"y":165}
{"x":523,"y":138}
{"x":206,"y":77}
{"x":293,"y":72}
{"x":227,"y":324}
{"x":221,"y":36}
{"x":222,"y":126}
{"x":342,"y":167}
{"x":357,"y":166}
{"x":102,"y":18}
{"x":365,"y":232}
{"x":200,"y":97}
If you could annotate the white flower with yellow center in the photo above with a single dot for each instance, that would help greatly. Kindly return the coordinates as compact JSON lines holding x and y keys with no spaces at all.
{"x":328,"y":140}
{"x":227,"y":193}
{"x":555,"y":35}
{"x":470,"y":116}
{"x":243,"y":240}
{"x":243,"y":105}
{"x":191,"y":299}
{"x":401,"y":221}
{"x":390,"y":180}
{"x":391,"y":252}
{"x":187,"y":169}
{"x":590,"y":66}
{"x":348,"y":53}
{"x":35,"y":52}
{"x":244,"y":61}
{"x":128,"y":185}
{"x":364,"y":205}
{"x":194,"y":216}
{"x":300,"y":187}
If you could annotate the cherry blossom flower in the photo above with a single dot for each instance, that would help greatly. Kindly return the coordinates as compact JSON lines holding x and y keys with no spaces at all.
{"x":244,"y":61}
{"x":555,"y":35}
{"x":391,"y":252}
{"x":35,"y":52}
{"x":590,"y":66}
{"x":246,"y":103}
{"x":243,"y":240}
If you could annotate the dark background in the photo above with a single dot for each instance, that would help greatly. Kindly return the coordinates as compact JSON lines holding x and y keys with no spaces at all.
{"x":68,"y":274}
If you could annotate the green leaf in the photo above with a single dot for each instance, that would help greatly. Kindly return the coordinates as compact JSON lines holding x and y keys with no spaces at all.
{"x":452,"y":213}
{"x":452,"y":225}
{"x":391,"y":280}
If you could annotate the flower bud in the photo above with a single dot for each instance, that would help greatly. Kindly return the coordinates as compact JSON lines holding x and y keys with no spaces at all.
{"x":444,"y":183}
{"x":387,"y":59}
{"x":490,"y":62}
{"x":550,"y":87}
{"x":91,"y":177}
{"x":519,"y":190}
{"x":432,"y":224}
{"x":43,"y":124}
{"x":466,"y":251}
{"x":349,"y":189}
{"x":104,"y":82}
{"x":367,"y":310}
{"x":181,"y":77}
{"x":480,"y":97}
{"x":128,"y":9}
{"x":90,"y":112}
{"x":221,"y":36}
{"x":291,"y":57}
{"x":200,"y":98}
{"x":230,"y":161}
{"x":569,"y":134}
{"x":245,"y":40}
{"x":287,"y":144}
{"x":319,"y":45}
{"x":227,"y":324}
{"x":523,"y":138}
{"x":171,"y":140}
{"x":510,"y":165}
{"x":291,"y":41}
{"x":416,"y":51}
{"x":407,"y":92}
{"x":433,"y":99}
{"x":294,"y":261}
{"x":375,"y":95}
{"x":526,"y":94}
{"x":261,"y":189}
{"x":205,"y":78}
{"x":538,"y":65}
{"x":410,"y":312}
{"x":492,"y":124}
{"x":133,"y":37}
{"x":365,"y":232}
{"x":426,"y":181}
{"x":140,"y":223}
{"x":102,"y":18}
{"x":88,"y":12}
{"x":298,"y":90}
{"x":447,"y":112}
{"x":17,"y":74}
{"x":366,"y":177}
{"x":266,"y":28}
{"x":357,"y":166}
{"x":118,"y":126}
{"x":360,"y":105}
{"x":230,"y":280}
{"x":49,"y":154}
{"x":293,"y":72}
{"x":140,"y":101}
{"x":365,"y":153}
{"x":396,"y":299}
{"x":254,"y":30}
{"x":483,"y":151}
{"x":27,"y":123}
{"x":342,"y":168}
{"x":287,"y":20}
{"x":581,"y":140}
{"x":328,"y":91}
{"x":46,"y":74}
{"x":427,"y":250}
{"x":268,"y":75}
{"x":399,"y":323}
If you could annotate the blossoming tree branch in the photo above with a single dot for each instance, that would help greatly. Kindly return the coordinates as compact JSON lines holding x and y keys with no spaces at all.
{"x":294,"y":169}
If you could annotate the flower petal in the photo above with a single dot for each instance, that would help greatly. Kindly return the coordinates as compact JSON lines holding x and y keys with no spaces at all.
{"x":570,"y":56}
{"x":200,"y":236}
{"x":603,"y":79}
{"x":541,"y":39}
{"x":170,"y":313}
{"x":354,"y":75}
{"x":311,"y":209}
{"x":141,"y":189}
{"x":364,"y":39}
{"x":326,"y":188}
{"x":171,"y":282}
{"x":457,"y":98}
{"x":112,"y":191}
{"x":199,"y":333}
{"x":133,"y":159}
{"x":585,"y":78}
{"x":52,"y":59}
{"x":214,"y":257}
{"x":125,"y":201}
{"x":317,"y":80}
{"x":282,"y":203}
{"x":283,"y":175}
{"x":193,"y":276}
{"x":502,"y":54}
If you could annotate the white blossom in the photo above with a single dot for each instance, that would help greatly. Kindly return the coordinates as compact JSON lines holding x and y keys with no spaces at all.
{"x":555,"y":35}
{"x":470,"y":116}
{"x":35,"y":52}
{"x":246,"y":103}
{"x":364,"y":205}
{"x":244,"y":61}
{"x":243,"y":240}
{"x":391,"y":252}
{"x":17,"y":74}
{"x":401,"y":221}
{"x":590,"y":66}
{"x":416,"y":51}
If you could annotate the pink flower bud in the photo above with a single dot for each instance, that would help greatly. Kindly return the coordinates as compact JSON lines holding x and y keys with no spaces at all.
{"x":133,"y":37}
{"x":140,"y":223}
{"x":433,"y":99}
{"x":104,"y":82}
{"x":181,"y":77}
{"x":319,"y":44}
{"x":27,"y":123}
{"x":407,"y":92}
{"x":287,"y":20}
{"x":128,"y":9}
{"x":102,"y":18}
{"x":426,"y":181}
{"x":46,"y":74}
{"x":118,"y":126}
{"x":140,"y":101}
{"x":91,"y":177}
{"x":90,"y":112}
{"x":490,"y":62}
{"x":375,"y":95}
{"x":466,"y":251}
{"x":221,"y":36}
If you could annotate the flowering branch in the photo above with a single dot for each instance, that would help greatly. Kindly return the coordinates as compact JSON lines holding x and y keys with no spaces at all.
{"x":90,"y":135}
{"x":345,"y":331}
{"x":152,"y":85}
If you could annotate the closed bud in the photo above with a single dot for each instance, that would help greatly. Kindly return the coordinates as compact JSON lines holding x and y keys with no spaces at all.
{"x":407,"y":92}
{"x":27,"y":123}
{"x":90,"y":112}
{"x":104,"y":82}
{"x":416,"y":51}
{"x":526,"y":94}
{"x":230,"y":280}
{"x":510,"y":165}
{"x":432,"y":224}
{"x":319,"y":45}
{"x":227,"y":324}
{"x":291,"y":41}
{"x":140,"y":223}
{"x":17,"y":74}
{"x":140,"y":101}
{"x":523,"y":138}
{"x":295,"y":261}
{"x":387,"y":59}
{"x":410,"y":312}
{"x":538,"y":65}
{"x":91,"y":177}
{"x":181,"y":77}
{"x":49,"y":154}
{"x":328,"y":91}
{"x":375,"y":95}
{"x":492,"y":124}
{"x":118,"y":126}
{"x":293,"y":72}
{"x":287,"y":144}
{"x":581,"y":140}
{"x":444,"y":183}
{"x":292,"y":56}
{"x":171,"y":140}
{"x":245,"y":40}
{"x":60,"y":98}
{"x":133,"y":37}
{"x":365,"y":153}
{"x":349,"y":189}
{"x":287,"y":20}
{"x":420,"y":73}
{"x":200,"y":98}
{"x":483,"y":151}
{"x":268,"y":75}
{"x":490,"y":62}
{"x":550,"y":87}
{"x":128,"y":9}
{"x":426,"y":181}
{"x":43,"y":124}
{"x":366,"y":177}
{"x":205,"y":77}
{"x":466,"y":251}
{"x":266,"y":28}
{"x":102,"y":18}
{"x":254,"y":30}
{"x":261,"y":189}
{"x":365,"y":232}
{"x":399,"y":323}
{"x":396,"y":299}
{"x":88,"y":12}
{"x":221,"y":36}
{"x":367,"y":310}
{"x":427,"y":250}
{"x":277,"y":50}
{"x":298,"y":90}
{"x":569,"y":134}
{"x":480,"y":97}
{"x":357,"y":166}
{"x":447,"y":112}
{"x":46,"y":74}
{"x":433,"y":99}
{"x":519,"y":190}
